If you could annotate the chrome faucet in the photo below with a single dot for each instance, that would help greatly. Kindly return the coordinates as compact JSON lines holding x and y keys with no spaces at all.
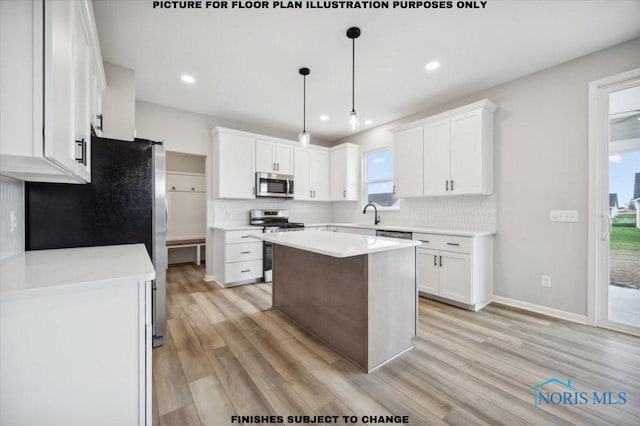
{"x":377,"y":218}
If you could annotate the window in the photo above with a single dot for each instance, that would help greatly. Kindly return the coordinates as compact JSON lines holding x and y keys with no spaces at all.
{"x":378,"y":179}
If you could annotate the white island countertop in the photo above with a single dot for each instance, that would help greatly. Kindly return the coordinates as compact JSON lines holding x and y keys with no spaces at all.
{"x":48,"y":270}
{"x":336,"y":244}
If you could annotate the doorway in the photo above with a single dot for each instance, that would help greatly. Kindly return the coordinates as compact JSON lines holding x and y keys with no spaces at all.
{"x":614,"y":183}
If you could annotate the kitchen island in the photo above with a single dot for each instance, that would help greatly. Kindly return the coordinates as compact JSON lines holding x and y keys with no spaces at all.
{"x":356,"y":293}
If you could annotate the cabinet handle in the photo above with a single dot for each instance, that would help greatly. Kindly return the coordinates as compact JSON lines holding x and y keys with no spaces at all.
{"x":435,"y":260}
{"x":99,"y":117}
{"x":173,"y":188}
{"x":274,"y":167}
{"x":440,"y":260}
{"x":81,"y":152}
{"x":453,"y":244}
{"x":425,"y":241}
{"x":192,"y":188}
{"x":394,"y":189}
{"x":447,"y":185}
{"x":452,"y":184}
{"x":244,"y":236}
{"x":246,"y":270}
{"x":314,"y":193}
{"x":310,"y":194}
{"x":245,"y":252}
{"x":344,"y":193}
{"x":278,"y":166}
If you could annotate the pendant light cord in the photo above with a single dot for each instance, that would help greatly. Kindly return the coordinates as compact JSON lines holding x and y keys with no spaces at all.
{"x":304,"y":103}
{"x":353,"y":75}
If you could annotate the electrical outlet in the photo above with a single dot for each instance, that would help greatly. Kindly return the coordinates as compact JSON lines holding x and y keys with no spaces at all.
{"x":546,"y":281}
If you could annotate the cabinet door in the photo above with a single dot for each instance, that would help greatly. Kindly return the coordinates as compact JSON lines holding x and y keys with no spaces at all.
{"x":59,"y":87}
{"x":96,"y":101}
{"x":235,"y":170}
{"x":338,"y":190}
{"x":437,"y":156}
{"x":455,"y":276}
{"x":302,"y":181}
{"x":319,"y":175}
{"x":428,"y":269}
{"x":407,"y":170}
{"x":284,"y":159}
{"x":81,"y":55}
{"x":265,"y":159}
{"x":466,"y":153}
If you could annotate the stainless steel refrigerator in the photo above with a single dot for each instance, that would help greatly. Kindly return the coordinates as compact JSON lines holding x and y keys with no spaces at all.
{"x":125,"y":203}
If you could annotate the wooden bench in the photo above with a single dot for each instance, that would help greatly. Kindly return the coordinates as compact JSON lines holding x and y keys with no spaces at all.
{"x":197,"y":243}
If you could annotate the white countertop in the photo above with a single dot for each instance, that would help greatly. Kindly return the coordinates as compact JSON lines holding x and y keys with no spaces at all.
{"x":336,"y":244}
{"x":47,"y":270}
{"x":439,"y":231}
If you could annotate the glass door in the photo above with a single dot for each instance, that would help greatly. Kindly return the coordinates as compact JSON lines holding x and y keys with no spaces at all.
{"x":621,"y":306}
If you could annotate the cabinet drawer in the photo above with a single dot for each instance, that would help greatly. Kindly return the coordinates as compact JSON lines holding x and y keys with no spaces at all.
{"x":235,"y":237}
{"x":242,"y":252}
{"x":241,"y":271}
{"x":451,"y":243}
{"x":185,"y":182}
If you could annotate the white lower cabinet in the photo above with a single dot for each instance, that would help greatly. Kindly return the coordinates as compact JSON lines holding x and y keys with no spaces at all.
{"x":237,"y":257}
{"x":76,"y":352}
{"x":455,"y":269}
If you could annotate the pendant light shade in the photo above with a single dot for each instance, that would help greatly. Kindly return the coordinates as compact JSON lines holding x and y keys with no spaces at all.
{"x":304,"y":138}
{"x":354,"y":121}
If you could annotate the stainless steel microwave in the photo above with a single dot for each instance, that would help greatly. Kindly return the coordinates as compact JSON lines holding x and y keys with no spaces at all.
{"x":274,"y":185}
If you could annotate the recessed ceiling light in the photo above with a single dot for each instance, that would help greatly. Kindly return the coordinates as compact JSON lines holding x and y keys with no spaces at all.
{"x":433,"y":65}
{"x":188,"y":79}
{"x":324,"y":117}
{"x":368,"y":122}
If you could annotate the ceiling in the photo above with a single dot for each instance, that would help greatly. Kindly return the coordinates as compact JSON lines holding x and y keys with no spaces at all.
{"x":246,"y":62}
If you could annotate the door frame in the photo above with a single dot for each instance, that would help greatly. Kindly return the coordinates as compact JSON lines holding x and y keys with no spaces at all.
{"x":597,"y":295}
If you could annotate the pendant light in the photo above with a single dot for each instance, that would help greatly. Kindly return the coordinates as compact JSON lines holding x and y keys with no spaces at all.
{"x":304,"y":137}
{"x":354,"y":122}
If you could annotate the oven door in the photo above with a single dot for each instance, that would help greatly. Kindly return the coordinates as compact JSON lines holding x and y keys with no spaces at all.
{"x":274,"y":185}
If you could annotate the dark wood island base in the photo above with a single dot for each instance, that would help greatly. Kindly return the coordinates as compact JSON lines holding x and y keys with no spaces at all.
{"x":364,"y":307}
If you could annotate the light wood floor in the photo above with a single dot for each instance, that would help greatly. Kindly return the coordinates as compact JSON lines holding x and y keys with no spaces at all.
{"x":226,"y":352}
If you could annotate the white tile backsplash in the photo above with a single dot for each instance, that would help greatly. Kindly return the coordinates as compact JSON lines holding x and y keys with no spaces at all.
{"x":473,"y":213}
{"x":236,"y":212}
{"x":11,"y":200}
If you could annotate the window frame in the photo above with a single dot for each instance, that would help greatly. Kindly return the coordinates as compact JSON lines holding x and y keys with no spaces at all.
{"x":365,"y":181}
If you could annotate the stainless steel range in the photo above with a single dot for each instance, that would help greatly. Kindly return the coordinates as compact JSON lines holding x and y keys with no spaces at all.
{"x":272,"y":221}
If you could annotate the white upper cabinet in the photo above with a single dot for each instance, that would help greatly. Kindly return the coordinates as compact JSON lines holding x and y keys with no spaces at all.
{"x":233,"y":170}
{"x":319,"y":172}
{"x":344,"y":172}
{"x":456,"y":153}
{"x":437,"y":160}
{"x":273,"y":157}
{"x":469,"y":169}
{"x":407,"y":151}
{"x":311,"y":174}
{"x":50,"y":64}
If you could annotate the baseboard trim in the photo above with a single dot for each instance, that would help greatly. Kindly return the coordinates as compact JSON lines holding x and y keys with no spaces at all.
{"x":556,"y":313}
{"x":209,"y":278}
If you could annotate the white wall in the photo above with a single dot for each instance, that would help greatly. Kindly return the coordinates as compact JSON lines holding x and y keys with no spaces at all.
{"x":541,"y":153}
{"x":190,"y":132}
{"x":119,"y":103}
{"x":11,"y":200}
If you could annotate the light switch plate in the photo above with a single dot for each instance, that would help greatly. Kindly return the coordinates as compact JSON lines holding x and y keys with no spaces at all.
{"x":563,"y":215}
